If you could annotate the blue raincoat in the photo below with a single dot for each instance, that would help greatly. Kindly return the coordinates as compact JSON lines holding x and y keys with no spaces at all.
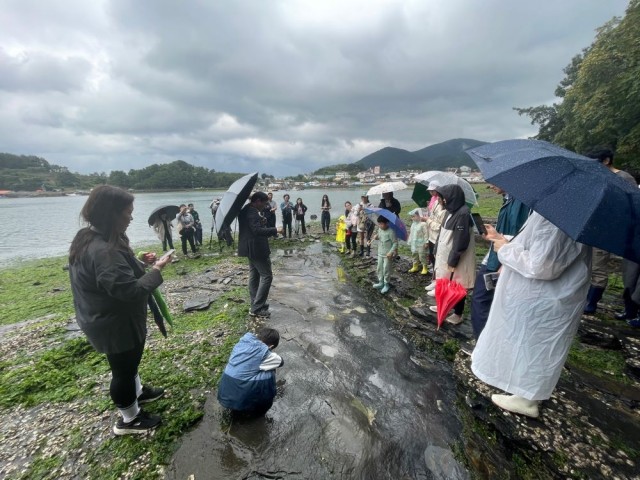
{"x":249,"y":379}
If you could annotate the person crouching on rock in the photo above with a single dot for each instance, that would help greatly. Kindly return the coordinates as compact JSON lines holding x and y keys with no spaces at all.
{"x":387,"y":250}
{"x":248,"y":384}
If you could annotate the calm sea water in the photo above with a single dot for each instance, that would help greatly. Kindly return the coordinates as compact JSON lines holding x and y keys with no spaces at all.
{"x":45,"y":227}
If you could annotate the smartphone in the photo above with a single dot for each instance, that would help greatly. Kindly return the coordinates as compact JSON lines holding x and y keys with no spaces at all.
{"x":490,"y":280}
{"x":477,"y":220}
{"x":168,"y":254}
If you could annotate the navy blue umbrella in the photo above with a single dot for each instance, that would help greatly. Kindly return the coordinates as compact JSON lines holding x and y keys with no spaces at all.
{"x":577,"y":194}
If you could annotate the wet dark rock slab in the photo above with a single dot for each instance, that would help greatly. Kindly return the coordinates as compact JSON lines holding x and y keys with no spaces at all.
{"x":199,"y":303}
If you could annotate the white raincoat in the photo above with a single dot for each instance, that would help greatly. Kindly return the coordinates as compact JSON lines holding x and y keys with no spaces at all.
{"x":536,"y":311}
{"x":418,"y":235}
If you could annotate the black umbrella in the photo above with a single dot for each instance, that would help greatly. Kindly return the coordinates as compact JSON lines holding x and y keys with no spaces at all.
{"x":577,"y":194}
{"x":233,"y":200}
{"x":169,"y":210}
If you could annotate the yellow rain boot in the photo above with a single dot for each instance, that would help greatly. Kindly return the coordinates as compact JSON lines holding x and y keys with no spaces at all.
{"x":425,"y":270}
{"x":415,"y":268}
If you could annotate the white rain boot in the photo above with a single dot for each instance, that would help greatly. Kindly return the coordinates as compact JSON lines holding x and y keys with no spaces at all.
{"x":454,"y":319}
{"x":431,"y":293}
{"x":434,"y":308}
{"x":516,"y":404}
{"x":431,"y":286}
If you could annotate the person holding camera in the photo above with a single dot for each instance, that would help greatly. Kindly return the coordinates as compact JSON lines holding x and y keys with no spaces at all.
{"x":186,"y":228}
{"x":511,"y":218}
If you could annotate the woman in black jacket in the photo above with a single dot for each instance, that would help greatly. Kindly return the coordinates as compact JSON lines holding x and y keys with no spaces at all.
{"x":110,"y":293}
{"x":325,"y":216}
{"x":299,"y":210}
{"x":389,"y":202}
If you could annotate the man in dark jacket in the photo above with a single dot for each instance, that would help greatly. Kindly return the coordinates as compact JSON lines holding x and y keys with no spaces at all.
{"x":253,"y":243}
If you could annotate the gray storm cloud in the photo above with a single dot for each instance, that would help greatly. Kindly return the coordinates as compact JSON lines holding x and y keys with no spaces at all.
{"x":283,"y":87}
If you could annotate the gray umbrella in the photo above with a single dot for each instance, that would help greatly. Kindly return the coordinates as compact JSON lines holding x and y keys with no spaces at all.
{"x":233,"y":200}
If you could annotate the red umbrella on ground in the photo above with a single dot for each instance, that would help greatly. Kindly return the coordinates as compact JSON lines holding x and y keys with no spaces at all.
{"x":448,"y":293}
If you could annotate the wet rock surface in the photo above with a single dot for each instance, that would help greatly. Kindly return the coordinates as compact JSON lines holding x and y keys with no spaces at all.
{"x":590,"y":428}
{"x":438,"y":416}
{"x":352,"y":400}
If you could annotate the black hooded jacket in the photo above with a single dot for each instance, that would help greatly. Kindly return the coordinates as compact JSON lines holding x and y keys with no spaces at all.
{"x":459,"y":221}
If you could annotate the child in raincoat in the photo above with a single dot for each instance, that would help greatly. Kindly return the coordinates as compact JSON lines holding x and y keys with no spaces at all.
{"x":341,"y":230}
{"x":418,"y":240}
{"x":248,"y":384}
{"x":387,"y":250}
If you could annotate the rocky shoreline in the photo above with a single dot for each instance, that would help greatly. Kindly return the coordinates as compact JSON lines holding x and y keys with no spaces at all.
{"x":588,"y":429}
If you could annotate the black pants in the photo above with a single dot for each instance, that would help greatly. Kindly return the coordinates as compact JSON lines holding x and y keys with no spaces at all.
{"x":351,"y":240}
{"x":187,"y":236}
{"x":300,"y":223}
{"x":432,"y":258}
{"x":631,"y":308}
{"x":480,"y":302}
{"x":198,"y":235}
{"x":325,"y":220}
{"x":260,"y":278}
{"x":124,"y":368}
{"x":271,"y":220}
{"x":167,"y":240}
{"x":458,"y":308}
{"x":286,"y":223}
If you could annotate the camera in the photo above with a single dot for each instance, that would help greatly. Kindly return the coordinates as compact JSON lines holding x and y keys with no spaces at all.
{"x":490,"y":280}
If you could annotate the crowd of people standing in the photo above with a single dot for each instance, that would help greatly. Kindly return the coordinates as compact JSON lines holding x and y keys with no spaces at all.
{"x":529,"y":294}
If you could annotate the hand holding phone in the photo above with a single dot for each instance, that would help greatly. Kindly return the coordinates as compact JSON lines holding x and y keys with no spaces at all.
{"x":170,"y":253}
{"x":164,"y":259}
{"x":479,"y":223}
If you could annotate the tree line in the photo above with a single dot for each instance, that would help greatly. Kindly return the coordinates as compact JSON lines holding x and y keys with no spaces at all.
{"x":599,"y":104}
{"x":29,"y":173}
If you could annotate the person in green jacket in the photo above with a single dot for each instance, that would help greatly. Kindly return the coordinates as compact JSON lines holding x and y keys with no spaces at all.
{"x":387,"y":250}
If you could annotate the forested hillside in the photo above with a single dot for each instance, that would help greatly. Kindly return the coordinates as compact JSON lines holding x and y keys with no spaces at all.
{"x":599,"y":95}
{"x":29,"y":173}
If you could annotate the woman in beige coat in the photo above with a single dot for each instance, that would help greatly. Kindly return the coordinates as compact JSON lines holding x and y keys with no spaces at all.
{"x":455,"y":250}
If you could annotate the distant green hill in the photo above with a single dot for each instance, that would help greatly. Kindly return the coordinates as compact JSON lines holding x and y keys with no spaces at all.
{"x":434,"y":157}
{"x":447,"y":154}
{"x":389,"y":159}
{"x":29,"y":173}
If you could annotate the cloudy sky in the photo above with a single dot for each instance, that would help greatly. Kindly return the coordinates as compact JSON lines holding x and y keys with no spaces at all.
{"x":278,"y":86}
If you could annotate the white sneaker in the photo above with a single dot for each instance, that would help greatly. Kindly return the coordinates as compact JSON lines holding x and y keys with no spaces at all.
{"x":431,"y":286}
{"x":516,"y":404}
{"x":431,"y":293}
{"x":434,"y":308}
{"x":454,"y":319}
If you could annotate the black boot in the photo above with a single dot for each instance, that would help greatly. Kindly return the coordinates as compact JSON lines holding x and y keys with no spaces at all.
{"x":361,"y":250}
{"x":593,"y":297}
{"x":368,"y":251}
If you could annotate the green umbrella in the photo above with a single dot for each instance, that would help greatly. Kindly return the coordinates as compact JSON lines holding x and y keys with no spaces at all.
{"x":162,"y":305}
{"x":421,"y":195}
